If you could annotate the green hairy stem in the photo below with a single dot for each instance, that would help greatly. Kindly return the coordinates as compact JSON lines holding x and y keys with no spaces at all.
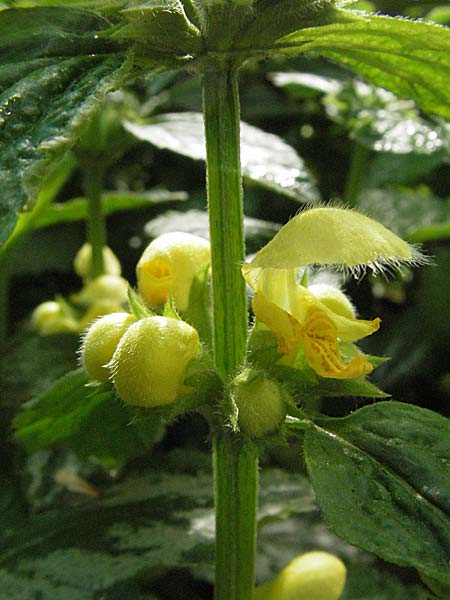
{"x":235,"y":462}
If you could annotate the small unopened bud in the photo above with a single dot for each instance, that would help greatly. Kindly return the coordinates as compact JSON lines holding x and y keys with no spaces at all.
{"x":99,"y":309}
{"x":106,"y":288}
{"x":149,"y":364}
{"x":311,"y":576}
{"x":83,"y":262}
{"x":49,"y":318}
{"x":260,"y":403}
{"x":100,"y":343}
{"x":168,"y":266}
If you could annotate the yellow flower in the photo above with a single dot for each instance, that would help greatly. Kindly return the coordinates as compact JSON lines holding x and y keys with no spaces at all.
{"x":299,"y":318}
{"x":317,"y":318}
{"x":168,"y":266}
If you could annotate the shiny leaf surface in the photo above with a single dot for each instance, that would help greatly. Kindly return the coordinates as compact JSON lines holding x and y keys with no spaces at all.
{"x":381,"y":477}
{"x":55,"y":69}
{"x":410,"y":58}
{"x":266,"y":159}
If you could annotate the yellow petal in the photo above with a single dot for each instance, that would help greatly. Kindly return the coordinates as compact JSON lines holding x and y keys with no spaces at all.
{"x":279,"y":287}
{"x":280,"y":322}
{"x":322,"y":351}
{"x":333,"y":236}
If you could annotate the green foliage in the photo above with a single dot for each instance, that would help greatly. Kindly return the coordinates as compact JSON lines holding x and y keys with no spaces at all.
{"x":380,"y":473}
{"x":416,"y":215}
{"x":266,"y":159}
{"x":410,"y":58}
{"x":381,"y":480}
{"x":55,"y":69}
{"x":88,"y":420}
{"x":384,"y":123}
{"x":159,"y":519}
{"x":112,"y":202}
{"x":29,"y":364}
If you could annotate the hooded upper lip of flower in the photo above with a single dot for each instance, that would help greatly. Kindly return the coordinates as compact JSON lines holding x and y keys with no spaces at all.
{"x":298,"y":318}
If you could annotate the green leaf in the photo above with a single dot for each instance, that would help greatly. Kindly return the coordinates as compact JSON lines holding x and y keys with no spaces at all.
{"x":410,"y":58}
{"x":383,"y":123}
{"x":385,"y":169}
{"x":27,"y":221}
{"x":358,"y":388}
{"x":381,"y":477}
{"x":29,"y":364}
{"x":55,"y":69}
{"x":88,"y":420}
{"x":276,"y":18}
{"x":112,"y":202}
{"x":266,"y":159}
{"x":416,"y":215}
{"x":299,"y":85}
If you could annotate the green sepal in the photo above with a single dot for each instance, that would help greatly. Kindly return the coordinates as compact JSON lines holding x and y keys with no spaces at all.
{"x":137,"y":306}
{"x":223,"y":25}
{"x":161,"y":32}
{"x":198,"y":313}
{"x":170,"y":310}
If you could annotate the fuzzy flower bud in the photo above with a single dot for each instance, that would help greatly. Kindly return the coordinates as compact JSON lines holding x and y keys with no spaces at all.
{"x":149,"y":364}
{"x":311,"y":576}
{"x":49,"y":318}
{"x":99,"y":309}
{"x":100,"y":342}
{"x":105,"y":288}
{"x":260,"y":403}
{"x":168,"y":266}
{"x":83,"y":262}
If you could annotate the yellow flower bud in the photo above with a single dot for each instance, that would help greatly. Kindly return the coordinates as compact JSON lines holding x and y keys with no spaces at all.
{"x":260,"y":403}
{"x":83,"y":262}
{"x":149,"y":364}
{"x":100,"y":342}
{"x":99,"y":309}
{"x":106,"y":288}
{"x":49,"y":318}
{"x":311,"y":576}
{"x":168,"y":266}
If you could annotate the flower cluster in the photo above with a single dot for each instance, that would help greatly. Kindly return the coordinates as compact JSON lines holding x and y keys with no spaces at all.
{"x":145,"y":354}
{"x":145,"y":357}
